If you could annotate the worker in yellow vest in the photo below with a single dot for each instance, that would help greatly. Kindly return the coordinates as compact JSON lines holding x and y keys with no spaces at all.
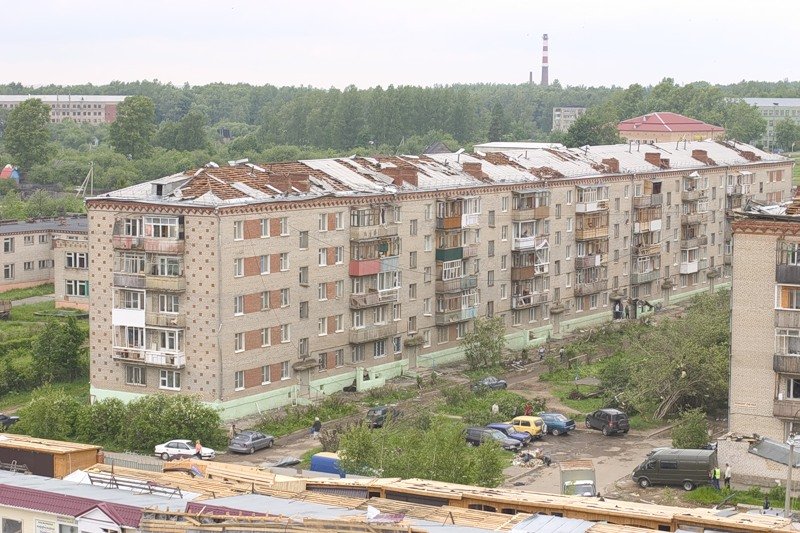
{"x":716,"y":475}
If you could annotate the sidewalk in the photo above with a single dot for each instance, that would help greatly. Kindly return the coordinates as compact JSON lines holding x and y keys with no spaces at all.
{"x":33,"y":300}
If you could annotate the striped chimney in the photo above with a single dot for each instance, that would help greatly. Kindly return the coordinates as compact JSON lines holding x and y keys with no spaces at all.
{"x":545,"y":77}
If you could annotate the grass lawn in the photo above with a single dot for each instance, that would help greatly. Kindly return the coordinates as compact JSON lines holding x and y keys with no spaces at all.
{"x":78,"y":389}
{"x":19,"y":294}
{"x":480,"y":373}
{"x":25,"y":313}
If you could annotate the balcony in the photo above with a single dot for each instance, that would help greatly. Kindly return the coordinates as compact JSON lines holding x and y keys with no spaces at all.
{"x":694,"y":218}
{"x":528,"y":272}
{"x":363,"y":233}
{"x":140,"y":356}
{"x":470,"y":250}
{"x":373,"y":298}
{"x":785,"y":408}
{"x":448,"y":222}
{"x":165,"y":283}
{"x":647,"y":225}
{"x":787,"y":274}
{"x":451,"y":317}
{"x":390,"y":263}
{"x":528,"y":243}
{"x":582,"y":289}
{"x":169,"y":320}
{"x":373,"y":332}
{"x":131,"y":281}
{"x":690,"y":267}
{"x":586,"y":234}
{"x":449,"y":254}
{"x":364,"y":267}
{"x":470,"y":220}
{"x":785,"y":318}
{"x":643,"y":250}
{"x":529,"y":300}
{"x":644,"y":277}
{"x":163,"y":246}
{"x":694,"y":242}
{"x":786,"y":364}
{"x":523,"y":215}
{"x":694,"y":194}
{"x":125,"y":242}
{"x":590,"y":261}
{"x":727,"y":259}
{"x":457,"y":285}
{"x":650,"y":200}
{"x":737,"y":190}
{"x":591,"y":207}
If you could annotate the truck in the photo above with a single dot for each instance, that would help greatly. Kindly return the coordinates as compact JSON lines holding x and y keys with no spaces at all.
{"x":577,"y":477}
{"x":327,"y":462}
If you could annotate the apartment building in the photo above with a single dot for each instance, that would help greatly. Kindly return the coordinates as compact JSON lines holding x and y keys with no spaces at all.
{"x":775,"y":110}
{"x":44,"y":251}
{"x":565,"y":117}
{"x":257,"y":286}
{"x":765,"y":341}
{"x":91,"y":109}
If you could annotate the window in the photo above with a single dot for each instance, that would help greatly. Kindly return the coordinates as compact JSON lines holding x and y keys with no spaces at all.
{"x":238,"y":380}
{"x":170,"y":379}
{"x":303,"y":309}
{"x":504,"y":204}
{"x":339,"y":220}
{"x":322,"y":362}
{"x":426,"y":277}
{"x":322,"y":326}
{"x":27,"y":265}
{"x":428,"y":243}
{"x":338,"y":255}
{"x":168,"y":303}
{"x":503,"y":262}
{"x":412,"y":291}
{"x":43,"y":239}
{"x":74,"y":287}
{"x":397,"y":344}
{"x":264,"y":264}
{"x":135,"y":375}
{"x":238,"y":342}
{"x":412,"y":324}
{"x":379,"y":315}
{"x":284,"y":261}
{"x":503,"y":291}
{"x":569,"y":224}
{"x":412,"y":227}
{"x":491,"y":219}
{"x":302,"y":346}
{"x":238,"y":230}
{"x":412,"y":260}
{"x":428,"y":211}
{"x":45,"y":263}
{"x":339,"y":288}
{"x":490,"y":278}
{"x":338,"y":323}
{"x":426,"y":338}
{"x":286,"y":333}
{"x":322,"y":291}
{"x":322,"y":255}
{"x":357,"y":354}
{"x":238,"y":305}
{"x":304,"y":275}
{"x":161,"y":227}
{"x":426,"y":307}
{"x":284,"y":222}
{"x":264,"y":300}
{"x":504,"y":233}
{"x":789,"y":297}
{"x":284,"y":297}
{"x":569,"y":196}
{"x":322,"y":225}
{"x":379,"y":349}
{"x":238,"y":267}
{"x":8,"y":245}
{"x":491,"y":248}
{"x":396,"y":312}
{"x":303,"y":240}
{"x":77,"y":260}
{"x":266,"y":337}
{"x":286,"y":372}
{"x":264,"y":228}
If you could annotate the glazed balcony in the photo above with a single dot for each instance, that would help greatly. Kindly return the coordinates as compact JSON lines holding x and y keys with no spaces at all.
{"x":592,"y":287}
{"x":590,"y":261}
{"x":528,"y":272}
{"x":785,"y":408}
{"x":591,"y":207}
{"x":451,"y":317}
{"x":644,"y":277}
{"x":524,"y":301}
{"x":693,"y":218}
{"x":785,"y":318}
{"x":690,"y":267}
{"x":523,"y":215}
{"x":169,"y":320}
{"x":693,"y":194}
{"x":165,"y":283}
{"x":528,"y":243}
{"x":457,"y":285}
{"x":586,"y":234}
{"x":650,"y":200}
{"x":363,"y":233}
{"x":786,"y":363}
{"x":643,"y":250}
{"x":694,"y":242}
{"x":453,"y":222}
{"x":158,"y":359}
{"x":390,"y":263}
{"x":373,"y":332}
{"x":373,"y":298}
{"x":130,"y":281}
{"x":470,"y":220}
{"x":787,"y":274}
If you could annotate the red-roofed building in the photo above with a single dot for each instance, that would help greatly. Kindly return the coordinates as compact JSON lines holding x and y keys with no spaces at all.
{"x":666,"y":127}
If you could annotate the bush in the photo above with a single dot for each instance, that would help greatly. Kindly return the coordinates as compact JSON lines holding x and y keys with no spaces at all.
{"x":691,"y":430}
{"x":302,"y":416}
{"x":103,"y":423}
{"x":51,"y":414}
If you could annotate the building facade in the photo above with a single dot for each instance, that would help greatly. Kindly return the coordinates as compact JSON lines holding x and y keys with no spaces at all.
{"x":667,"y":127}
{"x":47,"y":251}
{"x":91,"y":109}
{"x":565,"y":117}
{"x":255,"y":287}
{"x":775,"y":110}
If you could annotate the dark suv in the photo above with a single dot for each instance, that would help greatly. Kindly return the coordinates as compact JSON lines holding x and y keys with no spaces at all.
{"x":475,"y":436}
{"x":610,"y":421}
{"x":378,"y":416}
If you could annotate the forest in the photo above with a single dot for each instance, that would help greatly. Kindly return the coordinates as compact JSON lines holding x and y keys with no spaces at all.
{"x":165,"y":128}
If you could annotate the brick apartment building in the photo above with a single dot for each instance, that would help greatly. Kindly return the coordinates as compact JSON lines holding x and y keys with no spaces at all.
{"x":92,"y":109}
{"x":259,"y":286}
{"x":53,"y":250}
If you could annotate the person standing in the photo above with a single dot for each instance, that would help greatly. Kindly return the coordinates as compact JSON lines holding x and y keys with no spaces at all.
{"x":716,"y":474}
{"x":231,"y":433}
{"x":198,"y":449}
{"x":528,"y":409}
{"x":541,"y":353}
{"x":727,"y":476}
{"x":316,"y":427}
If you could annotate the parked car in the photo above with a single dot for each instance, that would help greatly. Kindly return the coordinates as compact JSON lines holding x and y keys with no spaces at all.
{"x":250,"y":441}
{"x":668,"y":466}
{"x":509,"y":431}
{"x":557,"y":424}
{"x":490,"y":383}
{"x":377,"y":416}
{"x":532,"y":425}
{"x":181,"y":449}
{"x":7,"y":420}
{"x":609,"y":421}
{"x":475,"y":436}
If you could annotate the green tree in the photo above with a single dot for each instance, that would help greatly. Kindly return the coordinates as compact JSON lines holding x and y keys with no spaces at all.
{"x":787,"y":133}
{"x":592,"y":128}
{"x":483,"y":345}
{"x":691,"y":431}
{"x":58,"y":350}
{"x":743,"y":122}
{"x":26,"y":135}
{"x":51,"y":414}
{"x":132,"y":131}
{"x":497,"y":127}
{"x":191,"y":134}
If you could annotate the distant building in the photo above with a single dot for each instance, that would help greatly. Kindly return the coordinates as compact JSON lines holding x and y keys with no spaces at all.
{"x":667,"y":127}
{"x":774,"y":110}
{"x":92,"y":109}
{"x":437,"y":147}
{"x":565,"y":117}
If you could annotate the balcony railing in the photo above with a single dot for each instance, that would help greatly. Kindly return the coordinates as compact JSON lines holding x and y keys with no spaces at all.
{"x":361,"y":233}
{"x":582,"y":289}
{"x":364,"y":267}
{"x":649,"y":200}
{"x":590,"y":261}
{"x":451,"y":317}
{"x":690,"y":267}
{"x":734,"y":189}
{"x":153,"y":358}
{"x":166,"y":283}
{"x":644,"y":277}
{"x":787,"y":274}
{"x":449,"y":254}
{"x":694,"y":194}
{"x":694,"y":218}
{"x":373,"y":298}
{"x":585,"y":234}
{"x":448,"y":222}
{"x":786,"y":363}
{"x":470,"y":250}
{"x":528,"y":243}
{"x":131,"y":281}
{"x":373,"y":332}
{"x":648,"y":225}
{"x":727,"y":259}
{"x":785,"y":318}
{"x":528,"y":272}
{"x":155,"y":318}
{"x":470,"y":220}
{"x":643,"y":250}
{"x":163,"y":246}
{"x":525,"y":301}
{"x":457,"y":285}
{"x":591,"y":207}
{"x":521,"y":215}
{"x":785,"y":408}
{"x":694,"y":242}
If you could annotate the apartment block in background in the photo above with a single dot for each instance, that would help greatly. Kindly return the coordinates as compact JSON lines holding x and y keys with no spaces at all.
{"x":90,"y":109}
{"x":565,"y":117}
{"x":260,"y":286}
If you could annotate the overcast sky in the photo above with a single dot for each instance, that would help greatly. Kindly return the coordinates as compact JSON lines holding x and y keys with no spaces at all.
{"x":328,"y":43}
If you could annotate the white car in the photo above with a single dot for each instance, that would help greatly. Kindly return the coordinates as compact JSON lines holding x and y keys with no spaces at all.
{"x":181,"y":449}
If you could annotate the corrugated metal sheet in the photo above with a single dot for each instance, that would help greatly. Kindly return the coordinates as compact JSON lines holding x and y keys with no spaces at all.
{"x":775,"y":451}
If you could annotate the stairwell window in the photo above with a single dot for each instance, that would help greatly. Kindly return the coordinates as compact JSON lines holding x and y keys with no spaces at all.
{"x":238,"y":380}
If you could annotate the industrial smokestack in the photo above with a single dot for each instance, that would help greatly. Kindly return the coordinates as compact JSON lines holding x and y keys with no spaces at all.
{"x":545,"y":77}
{"x":530,"y":77}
